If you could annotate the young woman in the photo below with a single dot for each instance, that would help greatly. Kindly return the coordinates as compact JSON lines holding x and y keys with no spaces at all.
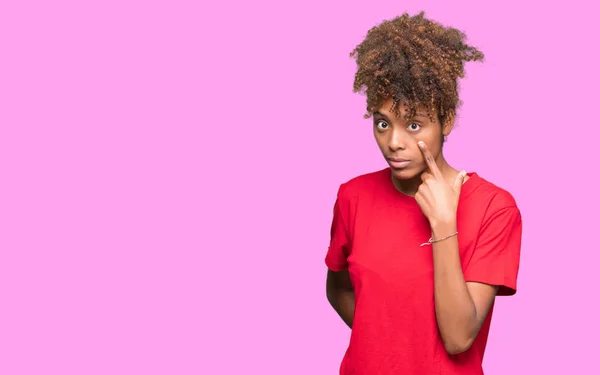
{"x":419,"y":250}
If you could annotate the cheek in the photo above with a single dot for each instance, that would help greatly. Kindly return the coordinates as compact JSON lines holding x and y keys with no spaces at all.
{"x":431,"y":142}
{"x":431,"y":139}
{"x":379,"y":139}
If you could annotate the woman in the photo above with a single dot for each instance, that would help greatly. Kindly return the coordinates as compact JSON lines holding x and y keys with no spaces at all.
{"x":419,"y":250}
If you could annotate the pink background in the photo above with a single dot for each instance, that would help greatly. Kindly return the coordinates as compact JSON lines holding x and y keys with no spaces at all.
{"x":168,"y":171}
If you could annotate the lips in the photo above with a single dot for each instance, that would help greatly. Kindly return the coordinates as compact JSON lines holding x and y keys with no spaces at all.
{"x":398,"y":160}
{"x":398,"y":163}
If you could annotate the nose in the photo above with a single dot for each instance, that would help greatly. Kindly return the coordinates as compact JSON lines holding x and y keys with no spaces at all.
{"x":398,"y":140}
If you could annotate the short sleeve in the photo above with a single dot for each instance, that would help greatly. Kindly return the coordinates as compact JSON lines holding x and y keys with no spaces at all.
{"x":339,"y":244}
{"x":496,"y":255}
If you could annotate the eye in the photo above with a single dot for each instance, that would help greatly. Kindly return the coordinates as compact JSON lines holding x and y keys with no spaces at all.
{"x":381,"y":125}
{"x":414,"y":127}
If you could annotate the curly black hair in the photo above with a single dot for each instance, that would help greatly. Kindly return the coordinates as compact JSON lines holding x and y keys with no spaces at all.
{"x":415,"y":61}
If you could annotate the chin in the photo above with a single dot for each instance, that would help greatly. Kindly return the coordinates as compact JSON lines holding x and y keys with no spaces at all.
{"x":405,"y":173}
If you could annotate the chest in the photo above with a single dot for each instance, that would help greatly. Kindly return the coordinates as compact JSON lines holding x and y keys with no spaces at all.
{"x":386,"y":247}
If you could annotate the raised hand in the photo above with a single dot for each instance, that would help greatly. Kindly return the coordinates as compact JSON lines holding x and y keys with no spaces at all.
{"x":437,"y":198}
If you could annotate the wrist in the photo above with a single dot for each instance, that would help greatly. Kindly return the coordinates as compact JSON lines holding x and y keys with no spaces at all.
{"x":443,"y":228}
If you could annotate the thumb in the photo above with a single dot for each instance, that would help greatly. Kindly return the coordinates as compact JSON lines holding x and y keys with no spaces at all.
{"x":459,"y":181}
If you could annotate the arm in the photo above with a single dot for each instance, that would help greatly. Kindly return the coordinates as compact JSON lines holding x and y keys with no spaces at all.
{"x":339,"y":288}
{"x":461,"y":307}
{"x":340,"y":295}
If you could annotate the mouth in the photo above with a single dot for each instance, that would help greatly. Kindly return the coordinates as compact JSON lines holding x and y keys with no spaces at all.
{"x":398,"y":163}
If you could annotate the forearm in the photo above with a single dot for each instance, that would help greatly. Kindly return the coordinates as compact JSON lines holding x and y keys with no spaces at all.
{"x":343,"y":302}
{"x":455,"y":311}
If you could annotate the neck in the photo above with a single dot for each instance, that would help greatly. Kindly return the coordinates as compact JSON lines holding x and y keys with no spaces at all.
{"x":410,"y":186}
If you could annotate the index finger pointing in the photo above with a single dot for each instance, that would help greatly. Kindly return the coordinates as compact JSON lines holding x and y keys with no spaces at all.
{"x":429,"y":159}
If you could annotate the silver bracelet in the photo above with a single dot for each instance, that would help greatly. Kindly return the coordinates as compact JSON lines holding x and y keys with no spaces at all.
{"x":431,"y":240}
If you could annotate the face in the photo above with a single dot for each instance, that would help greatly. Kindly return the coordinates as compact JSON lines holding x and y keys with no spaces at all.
{"x":397,"y":139}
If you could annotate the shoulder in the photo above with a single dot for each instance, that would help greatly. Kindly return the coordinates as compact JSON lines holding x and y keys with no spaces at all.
{"x":495,"y":203}
{"x":492,"y":195}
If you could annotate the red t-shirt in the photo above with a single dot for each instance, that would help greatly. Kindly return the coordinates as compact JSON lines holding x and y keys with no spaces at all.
{"x":376,"y":234}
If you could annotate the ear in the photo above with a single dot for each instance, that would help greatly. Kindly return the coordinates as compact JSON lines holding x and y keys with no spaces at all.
{"x":448,"y":124}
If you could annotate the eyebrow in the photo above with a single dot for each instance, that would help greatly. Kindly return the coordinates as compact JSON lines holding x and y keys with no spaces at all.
{"x":380,"y":114}
{"x":385,"y":116}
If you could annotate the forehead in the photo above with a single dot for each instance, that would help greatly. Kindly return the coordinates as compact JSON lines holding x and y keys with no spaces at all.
{"x":387,"y":108}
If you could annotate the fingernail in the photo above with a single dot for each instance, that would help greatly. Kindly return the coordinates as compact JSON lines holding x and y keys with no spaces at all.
{"x":421,"y":144}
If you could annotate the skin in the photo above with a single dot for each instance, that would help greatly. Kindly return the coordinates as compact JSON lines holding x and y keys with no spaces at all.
{"x":397,"y":138}
{"x":340,"y":294}
{"x":461,"y":307}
